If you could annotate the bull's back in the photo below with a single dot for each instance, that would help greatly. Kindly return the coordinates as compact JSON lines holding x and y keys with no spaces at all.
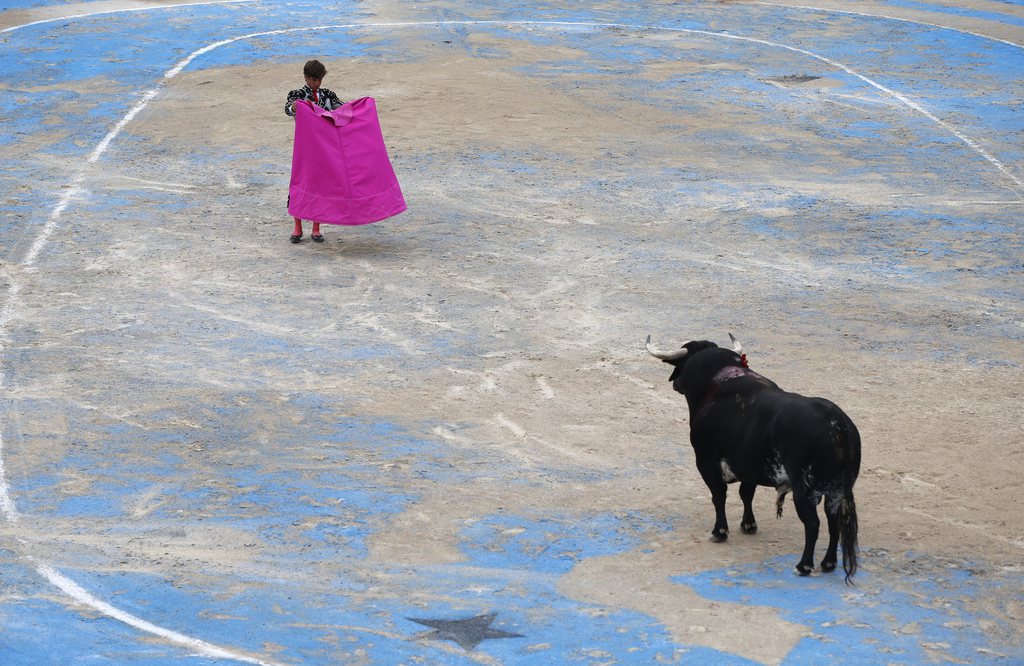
{"x":765,"y":436}
{"x":816,"y":435}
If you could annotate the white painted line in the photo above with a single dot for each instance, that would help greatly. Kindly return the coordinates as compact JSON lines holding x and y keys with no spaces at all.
{"x":6,"y":503}
{"x":118,"y":11}
{"x":162,"y":184}
{"x":75,"y":591}
{"x":861,"y":98}
{"x":126,"y":182}
{"x":37,"y":245}
{"x":892,"y":18}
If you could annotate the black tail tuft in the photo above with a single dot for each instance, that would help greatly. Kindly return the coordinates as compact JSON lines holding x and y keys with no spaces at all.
{"x":848,"y":534}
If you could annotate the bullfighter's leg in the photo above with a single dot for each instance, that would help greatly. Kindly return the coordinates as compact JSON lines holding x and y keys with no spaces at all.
{"x":749,"y":523}
{"x":713,"y":478}
{"x":832,"y":516}
{"x":807,"y":510}
{"x":296,"y":230}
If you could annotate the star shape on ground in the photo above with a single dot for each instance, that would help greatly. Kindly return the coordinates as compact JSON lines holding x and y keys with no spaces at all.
{"x":468,"y":633}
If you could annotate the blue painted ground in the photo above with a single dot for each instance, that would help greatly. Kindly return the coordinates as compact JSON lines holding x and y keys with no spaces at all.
{"x":882,"y":620}
{"x":324,"y":514}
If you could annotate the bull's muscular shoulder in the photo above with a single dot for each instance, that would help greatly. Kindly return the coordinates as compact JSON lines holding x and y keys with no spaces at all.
{"x":746,"y":379}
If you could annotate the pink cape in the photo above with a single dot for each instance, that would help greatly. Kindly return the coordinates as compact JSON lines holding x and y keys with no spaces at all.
{"x":341,"y":173}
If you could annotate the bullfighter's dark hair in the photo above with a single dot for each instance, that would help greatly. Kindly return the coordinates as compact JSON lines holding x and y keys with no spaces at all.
{"x":314,"y":69}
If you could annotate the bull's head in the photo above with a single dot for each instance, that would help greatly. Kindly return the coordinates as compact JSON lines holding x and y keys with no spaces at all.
{"x":670,"y":356}
{"x":679,"y":357}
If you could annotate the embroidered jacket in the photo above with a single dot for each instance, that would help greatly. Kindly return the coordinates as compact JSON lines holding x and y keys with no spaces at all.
{"x":325,"y":99}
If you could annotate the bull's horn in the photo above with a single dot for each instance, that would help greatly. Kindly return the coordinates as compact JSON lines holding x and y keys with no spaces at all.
{"x":665,"y":356}
{"x":736,"y":346}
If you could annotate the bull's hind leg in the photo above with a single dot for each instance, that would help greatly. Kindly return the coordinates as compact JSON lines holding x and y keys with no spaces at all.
{"x":832,"y":516}
{"x":749,"y":523}
{"x":807,"y":509}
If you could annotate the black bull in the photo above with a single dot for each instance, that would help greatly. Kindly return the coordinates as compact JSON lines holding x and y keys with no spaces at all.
{"x":744,"y":428}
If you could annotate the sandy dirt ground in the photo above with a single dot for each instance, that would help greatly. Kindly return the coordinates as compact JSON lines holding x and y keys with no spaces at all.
{"x":571,"y":190}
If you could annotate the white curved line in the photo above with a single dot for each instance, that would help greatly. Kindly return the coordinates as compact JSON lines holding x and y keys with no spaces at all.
{"x":973,"y":145}
{"x":892,"y":18}
{"x":82,"y":596}
{"x":76,"y":592}
{"x":118,"y":11}
{"x":7,"y":505}
{"x":892,"y":93}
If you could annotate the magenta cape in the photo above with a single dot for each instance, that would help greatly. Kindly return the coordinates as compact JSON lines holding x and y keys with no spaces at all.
{"x":341,"y":173}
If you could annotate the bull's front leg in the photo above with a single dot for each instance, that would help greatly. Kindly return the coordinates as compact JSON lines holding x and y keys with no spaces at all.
{"x":807,"y":508}
{"x":749,"y":523}
{"x":712,"y":475}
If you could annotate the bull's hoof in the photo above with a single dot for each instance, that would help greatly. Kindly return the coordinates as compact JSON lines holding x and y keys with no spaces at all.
{"x":750,"y":528}
{"x":804,"y":569}
{"x":718,"y":536}
{"x":828,"y":565}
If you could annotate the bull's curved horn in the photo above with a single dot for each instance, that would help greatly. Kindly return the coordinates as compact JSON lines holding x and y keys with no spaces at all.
{"x":665,"y":356}
{"x":736,"y":346}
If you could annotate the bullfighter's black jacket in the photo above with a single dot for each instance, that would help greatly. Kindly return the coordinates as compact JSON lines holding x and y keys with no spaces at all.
{"x":325,"y":99}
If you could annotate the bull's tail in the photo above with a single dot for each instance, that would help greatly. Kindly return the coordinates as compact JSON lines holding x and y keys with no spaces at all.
{"x":780,"y":499}
{"x":848,"y":533}
{"x":847,"y":507}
